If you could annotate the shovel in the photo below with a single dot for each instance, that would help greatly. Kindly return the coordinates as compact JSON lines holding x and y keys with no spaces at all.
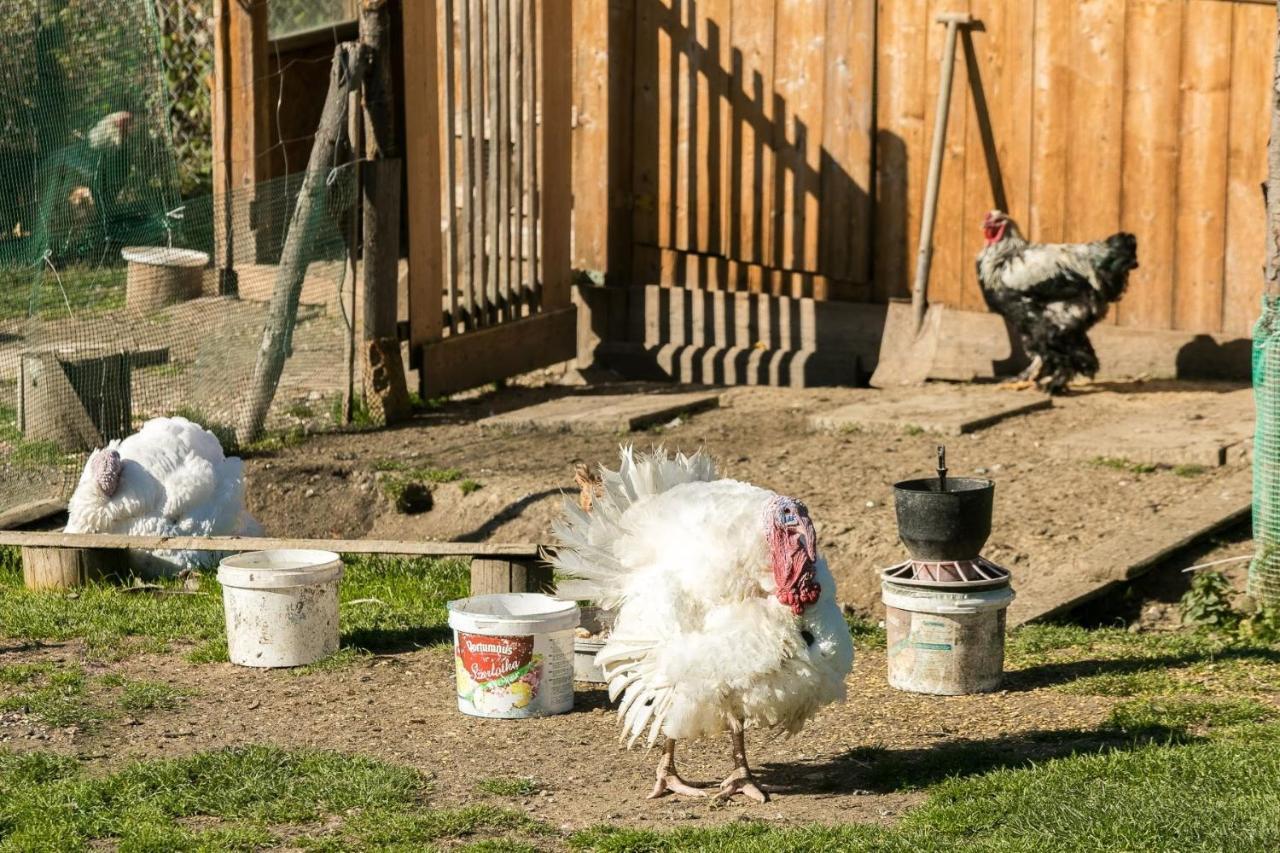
{"x":910,"y":337}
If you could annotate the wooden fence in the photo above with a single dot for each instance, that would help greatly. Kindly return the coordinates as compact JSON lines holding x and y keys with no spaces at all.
{"x":781,"y":145}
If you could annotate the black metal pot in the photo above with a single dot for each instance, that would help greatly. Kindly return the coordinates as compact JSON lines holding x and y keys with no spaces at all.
{"x":944,"y":525}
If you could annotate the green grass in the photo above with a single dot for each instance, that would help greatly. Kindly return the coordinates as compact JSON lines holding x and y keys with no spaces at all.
{"x":62,"y":695}
{"x":245,"y":798}
{"x":508,"y":787}
{"x":469,"y":486}
{"x":38,"y":292}
{"x":139,"y":697}
{"x":1124,"y":465}
{"x":22,"y":453}
{"x":1177,"y":714}
{"x":1189,"y":470}
{"x":913,"y":430}
{"x":404,"y":607}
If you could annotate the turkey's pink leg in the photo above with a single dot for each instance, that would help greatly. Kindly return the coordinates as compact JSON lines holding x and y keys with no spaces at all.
{"x":669,"y":781}
{"x":740,"y":781}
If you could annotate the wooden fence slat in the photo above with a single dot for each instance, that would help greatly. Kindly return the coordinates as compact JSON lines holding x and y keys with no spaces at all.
{"x":900,"y":151}
{"x":1153,"y":29}
{"x":467,"y":252}
{"x":1252,"y":50}
{"x":448,"y":108}
{"x":1052,"y":111}
{"x":752,"y":96}
{"x":712,"y":70}
{"x":535,"y":135}
{"x":799,"y":76}
{"x":683,"y":84}
{"x":987,"y":46}
{"x":1202,"y":169}
{"x":492,"y":97}
{"x":422,"y":159}
{"x":556,"y":181}
{"x":33,"y":539}
{"x":518,"y":149}
{"x":501,"y":9}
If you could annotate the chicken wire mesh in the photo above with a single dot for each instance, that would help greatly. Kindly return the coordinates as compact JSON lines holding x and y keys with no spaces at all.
{"x":121,"y":299}
{"x":1264,"y":571}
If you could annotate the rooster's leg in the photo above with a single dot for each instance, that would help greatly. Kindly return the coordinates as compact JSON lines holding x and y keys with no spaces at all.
{"x":669,"y":781}
{"x":1033,"y":372}
{"x":741,"y":781}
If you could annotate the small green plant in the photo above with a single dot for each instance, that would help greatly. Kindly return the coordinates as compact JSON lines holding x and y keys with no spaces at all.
{"x":1261,"y":626}
{"x":1189,"y":470}
{"x":913,"y":430}
{"x":1208,"y":603}
{"x":1125,"y":465}
{"x":301,"y":411}
{"x":506,"y":787}
{"x":468,"y":486}
{"x":139,"y":696}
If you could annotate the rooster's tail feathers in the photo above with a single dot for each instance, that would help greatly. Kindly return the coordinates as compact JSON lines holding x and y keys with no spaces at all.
{"x":584,"y":553}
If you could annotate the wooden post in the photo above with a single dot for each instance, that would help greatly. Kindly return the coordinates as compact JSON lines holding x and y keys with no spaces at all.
{"x":349,"y":66}
{"x":385,"y":393}
{"x":1272,"y":187}
{"x":491,"y":576}
{"x":67,"y":568}
{"x":555,"y":149}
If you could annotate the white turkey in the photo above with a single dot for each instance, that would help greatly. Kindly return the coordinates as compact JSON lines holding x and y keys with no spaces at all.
{"x":170,"y":478}
{"x":726,"y":613}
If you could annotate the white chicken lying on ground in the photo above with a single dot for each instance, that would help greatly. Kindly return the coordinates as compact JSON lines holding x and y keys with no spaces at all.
{"x":170,"y":478}
{"x":726,"y":614}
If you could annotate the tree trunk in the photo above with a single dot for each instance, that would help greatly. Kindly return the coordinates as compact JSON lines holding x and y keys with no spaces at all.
{"x":386,"y":394}
{"x":349,"y":66}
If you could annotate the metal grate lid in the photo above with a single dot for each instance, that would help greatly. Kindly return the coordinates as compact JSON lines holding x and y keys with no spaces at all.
{"x":979,"y":572}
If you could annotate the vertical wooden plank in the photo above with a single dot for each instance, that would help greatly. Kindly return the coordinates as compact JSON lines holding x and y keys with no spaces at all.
{"x":986,"y":87}
{"x":479,"y":166}
{"x":752,"y":100}
{"x":646,"y":163}
{"x":1202,"y":169}
{"x":1016,"y":97}
{"x":422,"y":160}
{"x":949,"y":266}
{"x":799,"y":80}
{"x":900,"y":152}
{"x":556,"y":151}
{"x":710,"y":65}
{"x":591,"y":70}
{"x":448,"y":104}
{"x":502,"y":154}
{"x":1097,"y":119}
{"x":470,"y":113}
{"x":1052,"y":123}
{"x":536,"y":117}
{"x":844,"y":227}
{"x":493,"y":156}
{"x":518,"y":152}
{"x":1252,"y":52}
{"x":683,"y":85}
{"x":1153,"y":31}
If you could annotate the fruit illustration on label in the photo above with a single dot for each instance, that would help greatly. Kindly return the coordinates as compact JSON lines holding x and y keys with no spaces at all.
{"x":497,"y":674}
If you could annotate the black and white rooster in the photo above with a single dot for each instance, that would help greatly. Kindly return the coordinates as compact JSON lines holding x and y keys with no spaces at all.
{"x":1053,"y":293}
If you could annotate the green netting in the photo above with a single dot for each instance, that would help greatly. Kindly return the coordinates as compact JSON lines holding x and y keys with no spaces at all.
{"x":1264,"y":571}
{"x":121,"y":300}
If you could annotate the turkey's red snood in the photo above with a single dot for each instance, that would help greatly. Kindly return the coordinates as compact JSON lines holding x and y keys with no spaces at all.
{"x":793,"y":549}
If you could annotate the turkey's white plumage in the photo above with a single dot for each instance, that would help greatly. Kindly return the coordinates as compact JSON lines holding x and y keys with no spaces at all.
{"x":174,"y":480}
{"x":701,"y":644}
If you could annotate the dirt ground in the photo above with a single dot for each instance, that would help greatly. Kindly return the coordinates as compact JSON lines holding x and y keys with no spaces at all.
{"x":1046,"y":500}
{"x":398,"y":708}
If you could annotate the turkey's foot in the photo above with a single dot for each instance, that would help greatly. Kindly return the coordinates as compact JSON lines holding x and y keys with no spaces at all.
{"x":740,"y":781}
{"x":669,"y":781}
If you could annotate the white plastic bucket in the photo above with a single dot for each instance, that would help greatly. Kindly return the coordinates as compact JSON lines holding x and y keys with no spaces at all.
{"x":513,"y":654}
{"x":944,"y":641}
{"x":281,"y":606}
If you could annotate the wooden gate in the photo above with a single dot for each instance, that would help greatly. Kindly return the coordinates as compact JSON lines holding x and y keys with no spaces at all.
{"x":487,"y":123}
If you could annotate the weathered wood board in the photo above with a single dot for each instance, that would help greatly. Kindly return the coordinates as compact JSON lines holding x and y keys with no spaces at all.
{"x":941,"y":409}
{"x":1131,"y":551}
{"x":596,"y":413}
{"x":1169,"y":434}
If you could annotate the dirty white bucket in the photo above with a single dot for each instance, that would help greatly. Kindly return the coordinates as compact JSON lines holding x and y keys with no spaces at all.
{"x":945,"y":641}
{"x":513,"y":654}
{"x":281,"y":606}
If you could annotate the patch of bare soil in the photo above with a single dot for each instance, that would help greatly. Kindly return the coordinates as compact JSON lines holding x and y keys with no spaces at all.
{"x":1046,"y":504}
{"x":402,"y":708}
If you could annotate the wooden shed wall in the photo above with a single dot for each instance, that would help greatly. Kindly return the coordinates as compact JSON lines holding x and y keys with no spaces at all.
{"x":1144,"y":115}
{"x":755,"y":127}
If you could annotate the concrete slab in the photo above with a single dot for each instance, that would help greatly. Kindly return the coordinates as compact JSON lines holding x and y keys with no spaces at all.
{"x":1161,"y":430}
{"x":941,"y":409}
{"x":1132,"y":551}
{"x":597,"y":413}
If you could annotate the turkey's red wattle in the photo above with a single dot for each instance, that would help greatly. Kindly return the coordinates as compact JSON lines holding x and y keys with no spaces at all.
{"x":793,"y":550}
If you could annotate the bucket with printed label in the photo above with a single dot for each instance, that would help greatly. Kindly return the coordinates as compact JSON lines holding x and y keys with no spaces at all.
{"x":513,"y":654}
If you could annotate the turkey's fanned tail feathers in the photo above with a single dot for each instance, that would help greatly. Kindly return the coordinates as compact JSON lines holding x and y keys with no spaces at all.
{"x":585,"y":551}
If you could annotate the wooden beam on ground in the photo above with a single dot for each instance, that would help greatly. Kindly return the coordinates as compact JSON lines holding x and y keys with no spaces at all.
{"x":490,"y":576}
{"x":29,"y":513}
{"x":265,"y":543}
{"x":1130,"y":552}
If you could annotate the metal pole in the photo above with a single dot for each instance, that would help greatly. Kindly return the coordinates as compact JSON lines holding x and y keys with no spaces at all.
{"x":925,"y":253}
